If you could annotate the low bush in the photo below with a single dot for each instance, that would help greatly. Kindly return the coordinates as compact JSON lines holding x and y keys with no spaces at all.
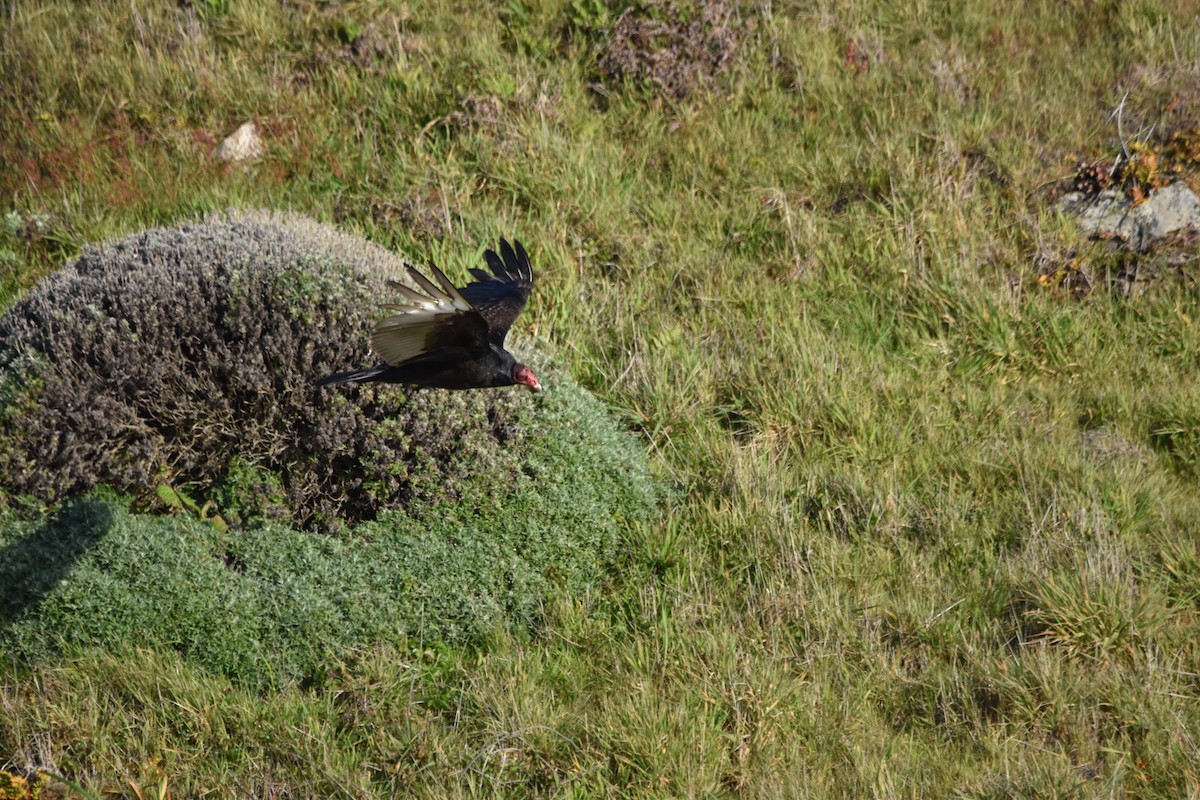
{"x":178,"y":357}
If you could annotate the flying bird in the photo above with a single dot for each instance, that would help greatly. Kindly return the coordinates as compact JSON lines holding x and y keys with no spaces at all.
{"x":447,"y":338}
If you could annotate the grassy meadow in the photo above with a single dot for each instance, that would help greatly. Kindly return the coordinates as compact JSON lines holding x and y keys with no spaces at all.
{"x":931,"y":524}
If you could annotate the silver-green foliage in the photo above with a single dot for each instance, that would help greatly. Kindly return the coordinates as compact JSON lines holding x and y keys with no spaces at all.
{"x":173,"y":356}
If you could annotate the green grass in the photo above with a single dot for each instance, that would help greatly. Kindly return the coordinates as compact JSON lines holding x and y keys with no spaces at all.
{"x":934,"y":524}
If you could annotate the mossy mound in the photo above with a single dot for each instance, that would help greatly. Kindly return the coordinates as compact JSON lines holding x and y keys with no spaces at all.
{"x":442,"y":515}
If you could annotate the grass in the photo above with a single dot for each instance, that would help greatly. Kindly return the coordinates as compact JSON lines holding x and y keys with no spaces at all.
{"x":934,"y":523}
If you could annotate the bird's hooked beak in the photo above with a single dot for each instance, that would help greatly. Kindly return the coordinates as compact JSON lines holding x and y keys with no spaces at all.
{"x":524,"y":376}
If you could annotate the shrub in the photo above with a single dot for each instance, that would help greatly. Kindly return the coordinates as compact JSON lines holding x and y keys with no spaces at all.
{"x":178,"y":357}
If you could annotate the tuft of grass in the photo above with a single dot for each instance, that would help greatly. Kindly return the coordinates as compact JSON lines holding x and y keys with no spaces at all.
{"x":1100,"y":618}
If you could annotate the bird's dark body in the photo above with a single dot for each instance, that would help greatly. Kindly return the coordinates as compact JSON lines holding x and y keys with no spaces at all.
{"x":442,"y":372}
{"x":442,"y":337}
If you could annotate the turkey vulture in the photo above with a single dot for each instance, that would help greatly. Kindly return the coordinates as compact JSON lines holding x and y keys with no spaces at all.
{"x":449,"y":338}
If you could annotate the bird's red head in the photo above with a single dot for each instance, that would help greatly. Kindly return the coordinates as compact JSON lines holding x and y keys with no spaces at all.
{"x":522,"y":375}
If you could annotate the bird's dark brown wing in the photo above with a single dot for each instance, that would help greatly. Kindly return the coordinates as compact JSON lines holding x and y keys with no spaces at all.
{"x":499,"y":297}
{"x":436,"y":319}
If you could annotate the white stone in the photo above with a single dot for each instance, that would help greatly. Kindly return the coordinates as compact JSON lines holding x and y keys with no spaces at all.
{"x":243,"y":144}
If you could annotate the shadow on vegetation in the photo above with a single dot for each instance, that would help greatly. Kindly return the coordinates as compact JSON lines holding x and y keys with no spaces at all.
{"x":33,"y":565}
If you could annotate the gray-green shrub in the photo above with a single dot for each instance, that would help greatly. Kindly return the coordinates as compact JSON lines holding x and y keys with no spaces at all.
{"x":174,"y":355}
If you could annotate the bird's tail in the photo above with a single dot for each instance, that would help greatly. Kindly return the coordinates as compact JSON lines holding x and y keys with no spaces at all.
{"x":353,"y":376}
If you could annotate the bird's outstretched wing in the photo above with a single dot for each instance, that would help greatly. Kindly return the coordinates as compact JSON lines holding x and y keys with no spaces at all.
{"x":434,"y":319}
{"x":500,"y":296}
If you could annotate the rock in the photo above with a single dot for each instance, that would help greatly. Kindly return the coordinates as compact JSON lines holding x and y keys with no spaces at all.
{"x":1113,"y":215}
{"x":243,"y":144}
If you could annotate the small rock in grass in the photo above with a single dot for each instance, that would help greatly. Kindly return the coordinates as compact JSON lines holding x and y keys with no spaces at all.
{"x":244,"y":144}
{"x":1113,"y":215}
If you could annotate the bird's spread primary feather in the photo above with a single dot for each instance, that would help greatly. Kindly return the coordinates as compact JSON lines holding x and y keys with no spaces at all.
{"x":424,"y":322}
{"x":501,"y":296}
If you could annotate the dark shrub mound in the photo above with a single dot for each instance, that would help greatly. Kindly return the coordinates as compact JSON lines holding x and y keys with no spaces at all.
{"x":185,"y":358}
{"x":676,"y":47}
{"x":176,"y":367}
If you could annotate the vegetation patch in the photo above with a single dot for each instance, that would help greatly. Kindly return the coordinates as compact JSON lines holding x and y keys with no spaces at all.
{"x":1143,"y":166}
{"x":182,"y":357}
{"x":269,"y":604}
{"x":675,"y":48}
{"x":176,"y":368}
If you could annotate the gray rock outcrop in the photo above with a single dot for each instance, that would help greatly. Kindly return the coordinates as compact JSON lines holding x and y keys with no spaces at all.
{"x":1112,"y":215}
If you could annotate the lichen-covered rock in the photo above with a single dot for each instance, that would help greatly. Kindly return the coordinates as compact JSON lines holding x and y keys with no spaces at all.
{"x":173,"y":355}
{"x":1110,"y":214}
